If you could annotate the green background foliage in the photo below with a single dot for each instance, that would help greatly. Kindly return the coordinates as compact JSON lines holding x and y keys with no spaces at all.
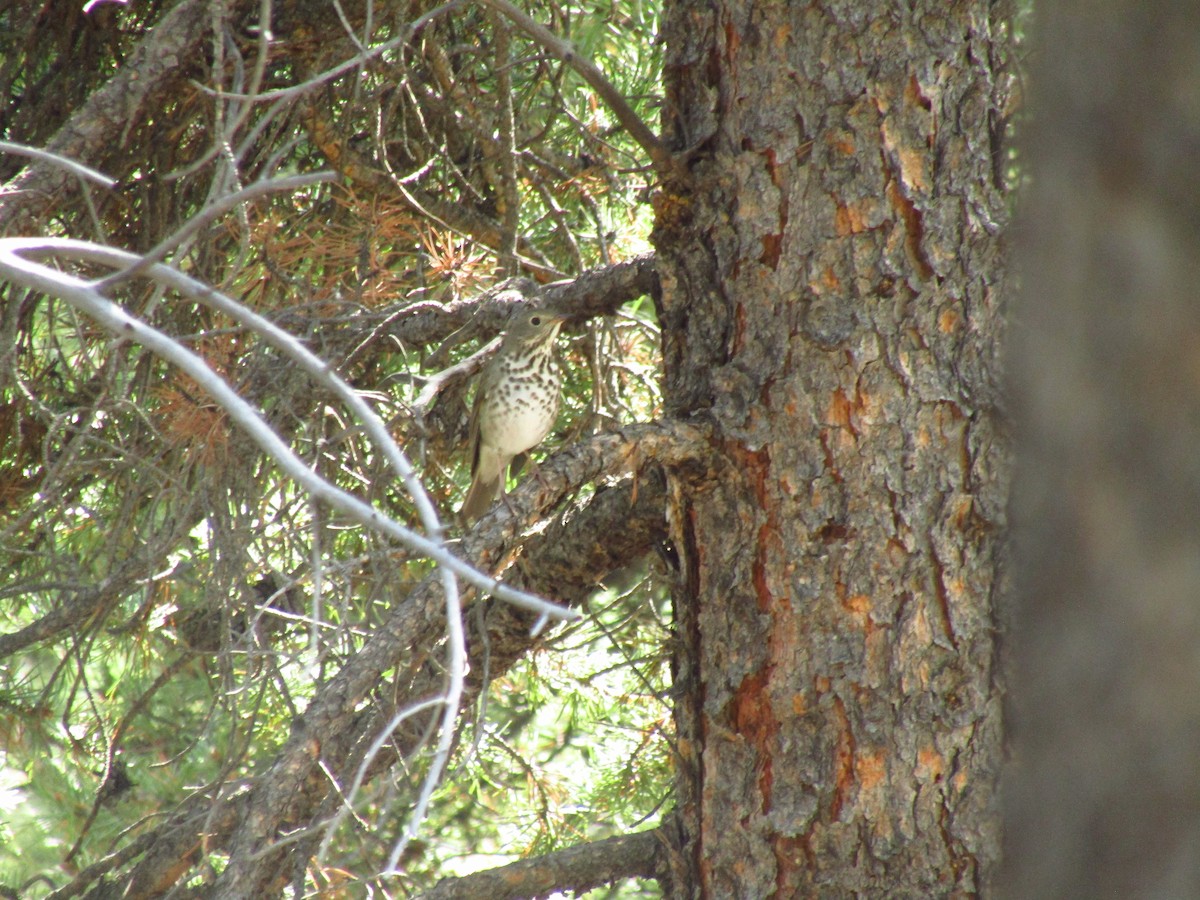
{"x":171,"y":571}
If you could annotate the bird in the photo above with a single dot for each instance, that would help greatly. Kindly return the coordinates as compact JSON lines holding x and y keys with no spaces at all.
{"x":516,"y":403}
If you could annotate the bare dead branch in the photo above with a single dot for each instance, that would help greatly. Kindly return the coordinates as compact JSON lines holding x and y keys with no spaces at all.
{"x":672,"y":443}
{"x":597,"y":292}
{"x":603,"y":290}
{"x":70,"y":165}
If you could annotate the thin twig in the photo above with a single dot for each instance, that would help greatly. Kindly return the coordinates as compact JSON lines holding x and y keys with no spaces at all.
{"x":511,"y":197}
{"x":664,"y":163}
{"x":69,"y":164}
{"x":211,"y":210}
{"x":344,"y":67}
{"x":243,"y":111}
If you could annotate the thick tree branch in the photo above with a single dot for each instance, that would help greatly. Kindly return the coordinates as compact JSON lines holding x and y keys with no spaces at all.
{"x":597,"y":292}
{"x":594,"y":293}
{"x":603,"y":290}
{"x":641,"y":855}
{"x":671,"y":443}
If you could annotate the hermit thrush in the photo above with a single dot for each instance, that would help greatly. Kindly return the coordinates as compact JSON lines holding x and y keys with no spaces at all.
{"x":516,"y":403}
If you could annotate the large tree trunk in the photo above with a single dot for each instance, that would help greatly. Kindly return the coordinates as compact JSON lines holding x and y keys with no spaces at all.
{"x":1106,"y":791}
{"x":829,"y":302}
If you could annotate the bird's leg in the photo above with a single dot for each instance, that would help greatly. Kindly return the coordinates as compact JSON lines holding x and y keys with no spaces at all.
{"x":514,"y":470}
{"x":504,"y":497}
{"x":535,"y":468}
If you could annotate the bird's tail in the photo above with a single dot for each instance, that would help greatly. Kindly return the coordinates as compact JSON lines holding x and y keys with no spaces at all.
{"x":480,"y":496}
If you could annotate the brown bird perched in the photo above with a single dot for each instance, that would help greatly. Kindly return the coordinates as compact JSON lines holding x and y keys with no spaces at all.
{"x":515,"y":406}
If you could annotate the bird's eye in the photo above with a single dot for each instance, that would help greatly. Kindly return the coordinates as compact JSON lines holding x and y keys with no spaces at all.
{"x":535,"y":321}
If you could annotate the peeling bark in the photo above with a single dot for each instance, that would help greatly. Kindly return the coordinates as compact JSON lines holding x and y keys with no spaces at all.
{"x":829,"y":303}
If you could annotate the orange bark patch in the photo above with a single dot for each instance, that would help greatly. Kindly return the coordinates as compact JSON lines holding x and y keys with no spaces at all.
{"x":962,"y":511}
{"x":842,"y":143}
{"x":762,"y":591}
{"x":914,"y":94}
{"x":948,"y":320}
{"x":772,"y":249}
{"x":840,"y":409}
{"x":914,"y":229}
{"x":733,"y":41}
{"x":912,"y":169}
{"x":752,"y":716}
{"x":826,"y":283}
{"x":858,"y":605}
{"x":855,"y":217}
{"x":871,"y":769}
{"x":754,"y":719}
{"x":930,"y":764}
{"x":852,"y":218}
{"x":790,"y":856}
{"x":955,"y":588}
{"x":843,"y":760}
{"x":910,"y":151}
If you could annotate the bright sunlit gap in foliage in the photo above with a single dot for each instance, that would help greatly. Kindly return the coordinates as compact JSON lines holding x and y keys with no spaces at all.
{"x":588,"y":716}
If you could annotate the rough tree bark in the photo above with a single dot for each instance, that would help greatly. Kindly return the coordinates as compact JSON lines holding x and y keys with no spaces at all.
{"x":829,"y":314}
{"x":829,"y":303}
{"x":1105,"y":789}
